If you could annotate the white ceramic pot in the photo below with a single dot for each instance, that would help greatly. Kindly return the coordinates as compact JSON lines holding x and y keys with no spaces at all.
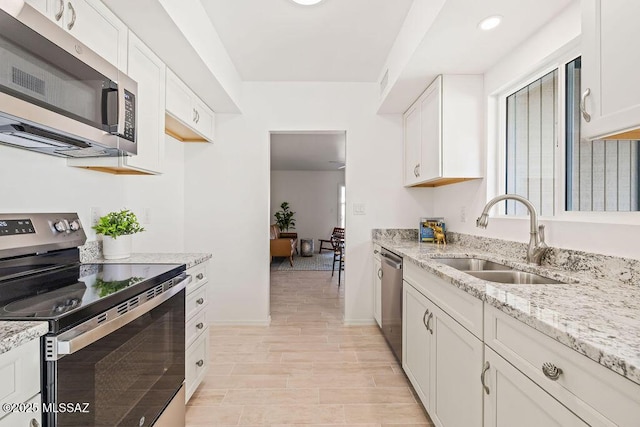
{"x":118,"y":248}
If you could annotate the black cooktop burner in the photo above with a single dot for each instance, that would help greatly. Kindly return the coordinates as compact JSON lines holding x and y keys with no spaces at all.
{"x":70,"y":295}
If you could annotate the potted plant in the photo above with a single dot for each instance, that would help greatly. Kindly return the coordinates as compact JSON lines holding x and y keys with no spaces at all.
{"x":284,"y":217}
{"x":116,"y":229}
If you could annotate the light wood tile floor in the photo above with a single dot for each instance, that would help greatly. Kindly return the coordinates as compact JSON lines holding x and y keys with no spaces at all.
{"x":306,"y":368}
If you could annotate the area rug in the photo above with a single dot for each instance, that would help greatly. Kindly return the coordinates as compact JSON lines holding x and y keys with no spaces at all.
{"x":318,"y":262}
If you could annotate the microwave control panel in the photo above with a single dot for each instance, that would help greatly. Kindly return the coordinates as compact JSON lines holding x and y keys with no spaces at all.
{"x":129,"y":116}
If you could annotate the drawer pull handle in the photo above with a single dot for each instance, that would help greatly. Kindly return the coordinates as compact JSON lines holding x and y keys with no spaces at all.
{"x":199,"y":276}
{"x":375,"y":251}
{"x":424,"y":318}
{"x":200,"y":362}
{"x":428,"y":325}
{"x":73,"y":16}
{"x":380,"y":273}
{"x":200,"y":325}
{"x":200,"y":301}
{"x":34,"y":423}
{"x":484,"y":371}
{"x":57,"y":16}
{"x":551,"y":371}
{"x":583,"y":105}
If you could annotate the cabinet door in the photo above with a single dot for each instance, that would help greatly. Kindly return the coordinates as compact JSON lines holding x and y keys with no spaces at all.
{"x":204,"y":119}
{"x":609,"y":69}
{"x":431,"y":135}
{"x":458,"y":364}
{"x":417,"y":343}
{"x":91,"y":22}
{"x":48,"y":8}
{"x":149,"y":71}
{"x":412,"y":145}
{"x":377,"y":290}
{"x":515,"y":400}
{"x":179,"y":103}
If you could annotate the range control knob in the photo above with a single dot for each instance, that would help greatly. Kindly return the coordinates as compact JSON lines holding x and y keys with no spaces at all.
{"x":74,"y":225}
{"x":61,"y":226}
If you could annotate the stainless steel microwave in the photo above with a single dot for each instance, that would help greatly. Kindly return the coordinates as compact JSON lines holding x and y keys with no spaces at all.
{"x":57,"y":96}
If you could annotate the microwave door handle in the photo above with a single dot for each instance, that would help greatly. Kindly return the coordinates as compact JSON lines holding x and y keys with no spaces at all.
{"x":121,"y":110}
{"x":108,"y":94}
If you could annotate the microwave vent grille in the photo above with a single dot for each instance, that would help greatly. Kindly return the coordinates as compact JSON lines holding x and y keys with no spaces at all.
{"x":27,"y":81}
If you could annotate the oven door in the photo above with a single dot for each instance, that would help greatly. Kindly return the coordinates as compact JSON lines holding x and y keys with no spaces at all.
{"x":125,"y":378}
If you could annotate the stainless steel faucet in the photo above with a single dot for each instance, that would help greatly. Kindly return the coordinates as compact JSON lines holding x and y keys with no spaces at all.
{"x":537,"y":246}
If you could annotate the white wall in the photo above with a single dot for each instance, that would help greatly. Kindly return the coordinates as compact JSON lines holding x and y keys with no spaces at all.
{"x":582,"y":231}
{"x":313,"y":196}
{"x":33,"y":182}
{"x":227,"y":190}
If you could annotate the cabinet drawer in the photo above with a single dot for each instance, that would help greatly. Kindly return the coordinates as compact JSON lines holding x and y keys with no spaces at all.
{"x":196,"y":300}
{"x":195,"y":327}
{"x":463,"y":307}
{"x":198,"y":277}
{"x":197,"y":362}
{"x":30,"y":418}
{"x":20,"y":373}
{"x":594,"y":393}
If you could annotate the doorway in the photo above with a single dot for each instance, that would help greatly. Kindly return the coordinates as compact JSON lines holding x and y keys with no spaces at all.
{"x":308,"y":173}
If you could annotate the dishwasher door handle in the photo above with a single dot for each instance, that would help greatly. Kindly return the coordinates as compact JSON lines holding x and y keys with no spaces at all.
{"x":391,"y":261}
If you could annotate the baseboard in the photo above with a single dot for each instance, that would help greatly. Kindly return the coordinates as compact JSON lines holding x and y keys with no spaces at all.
{"x":359,"y":322}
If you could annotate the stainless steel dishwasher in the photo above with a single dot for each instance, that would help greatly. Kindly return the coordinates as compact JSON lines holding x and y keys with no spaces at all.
{"x":392,"y":301}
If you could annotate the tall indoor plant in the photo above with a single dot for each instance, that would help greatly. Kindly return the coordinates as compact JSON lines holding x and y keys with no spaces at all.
{"x":284,"y":217}
{"x":116,"y":229}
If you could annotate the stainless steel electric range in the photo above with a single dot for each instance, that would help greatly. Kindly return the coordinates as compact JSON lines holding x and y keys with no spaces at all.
{"x":116,"y":331}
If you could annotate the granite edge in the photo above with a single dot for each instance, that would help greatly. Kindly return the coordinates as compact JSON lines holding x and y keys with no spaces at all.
{"x":16,"y":333}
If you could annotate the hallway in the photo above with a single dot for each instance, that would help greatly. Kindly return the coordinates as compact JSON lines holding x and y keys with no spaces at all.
{"x":306,"y":368}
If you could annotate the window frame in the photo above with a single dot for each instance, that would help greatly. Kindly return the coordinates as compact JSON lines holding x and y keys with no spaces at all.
{"x":558,"y":60}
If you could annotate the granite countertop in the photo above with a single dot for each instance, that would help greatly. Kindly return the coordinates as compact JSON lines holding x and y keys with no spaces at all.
{"x":597,"y":318}
{"x":14,"y":334}
{"x":190,"y":259}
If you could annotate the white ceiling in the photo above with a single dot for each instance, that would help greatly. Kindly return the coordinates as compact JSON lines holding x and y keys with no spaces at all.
{"x":336,"y":40}
{"x":311,"y":151}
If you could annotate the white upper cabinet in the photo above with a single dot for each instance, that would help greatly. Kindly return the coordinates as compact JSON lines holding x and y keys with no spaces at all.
{"x":188,"y":118}
{"x":610,"y":79}
{"x":443,"y":132}
{"x":92,"y":23}
{"x":149,"y":72}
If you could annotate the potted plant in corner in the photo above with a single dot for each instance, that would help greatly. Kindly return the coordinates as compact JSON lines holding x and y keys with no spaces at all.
{"x":284,"y":217}
{"x":116,"y":229}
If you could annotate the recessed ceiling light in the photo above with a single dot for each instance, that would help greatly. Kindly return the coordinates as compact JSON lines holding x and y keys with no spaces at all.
{"x":490,"y":22}
{"x":307,"y":2}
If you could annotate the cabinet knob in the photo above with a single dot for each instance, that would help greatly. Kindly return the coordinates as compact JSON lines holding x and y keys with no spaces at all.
{"x":583,"y":105}
{"x":482,"y":375}
{"x":73,"y":16}
{"x":60,"y":11}
{"x":380,"y":273}
{"x":200,"y":325}
{"x":551,"y":371}
{"x":200,"y":362}
{"x":199,"y":276}
{"x":200,"y":301}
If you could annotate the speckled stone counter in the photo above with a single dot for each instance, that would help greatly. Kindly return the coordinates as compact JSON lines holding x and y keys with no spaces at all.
{"x":596,"y":317}
{"x":190,"y":259}
{"x":14,"y":334}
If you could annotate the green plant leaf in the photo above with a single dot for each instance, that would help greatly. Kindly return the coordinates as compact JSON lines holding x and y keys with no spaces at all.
{"x":116,"y":224}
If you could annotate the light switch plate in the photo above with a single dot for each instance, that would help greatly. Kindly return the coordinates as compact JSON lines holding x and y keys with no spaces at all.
{"x":359,"y":209}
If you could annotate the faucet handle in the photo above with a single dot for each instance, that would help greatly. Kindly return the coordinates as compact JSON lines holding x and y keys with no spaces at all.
{"x":541,"y":233}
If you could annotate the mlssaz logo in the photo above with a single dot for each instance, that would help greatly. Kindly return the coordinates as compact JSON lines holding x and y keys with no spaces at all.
{"x":66,"y":407}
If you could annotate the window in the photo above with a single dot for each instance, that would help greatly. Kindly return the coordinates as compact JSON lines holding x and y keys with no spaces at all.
{"x":598,"y":175}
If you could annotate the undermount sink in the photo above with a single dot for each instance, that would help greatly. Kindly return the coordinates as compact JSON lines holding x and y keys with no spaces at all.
{"x":495,"y":272}
{"x":513,"y":277}
{"x":472,"y":264}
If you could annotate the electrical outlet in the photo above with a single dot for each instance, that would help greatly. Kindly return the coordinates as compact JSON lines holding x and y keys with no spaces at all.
{"x":146,"y":216}
{"x":463,"y":214}
{"x":94,"y":215}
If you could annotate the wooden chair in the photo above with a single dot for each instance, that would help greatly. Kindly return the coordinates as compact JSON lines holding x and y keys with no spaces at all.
{"x":338,"y":232}
{"x":337,"y":245}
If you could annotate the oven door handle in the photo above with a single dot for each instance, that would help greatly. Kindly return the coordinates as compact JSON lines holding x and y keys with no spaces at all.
{"x":78,"y":338}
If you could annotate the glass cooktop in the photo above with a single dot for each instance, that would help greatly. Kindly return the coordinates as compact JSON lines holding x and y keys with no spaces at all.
{"x":67,"y":296}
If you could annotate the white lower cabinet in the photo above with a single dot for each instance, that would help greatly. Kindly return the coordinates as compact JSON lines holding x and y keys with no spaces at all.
{"x":196,"y":329}
{"x":20,"y":383}
{"x":442,"y":360}
{"x":512,"y":399}
{"x":377,"y":285}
